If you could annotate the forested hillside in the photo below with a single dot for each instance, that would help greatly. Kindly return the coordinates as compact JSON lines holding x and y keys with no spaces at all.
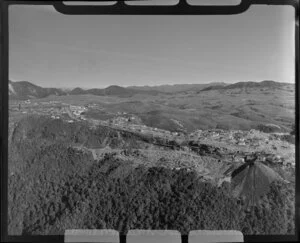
{"x":53,"y":186}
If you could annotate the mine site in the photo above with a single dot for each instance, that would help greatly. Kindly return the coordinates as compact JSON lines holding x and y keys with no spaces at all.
{"x":77,"y":150}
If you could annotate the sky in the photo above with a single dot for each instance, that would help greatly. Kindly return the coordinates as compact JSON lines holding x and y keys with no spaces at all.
{"x":51,"y":49}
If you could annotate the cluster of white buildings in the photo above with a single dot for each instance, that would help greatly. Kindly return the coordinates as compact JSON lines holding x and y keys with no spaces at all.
{"x":77,"y":110}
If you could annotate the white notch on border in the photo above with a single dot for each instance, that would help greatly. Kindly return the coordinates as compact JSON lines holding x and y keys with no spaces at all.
{"x":89,"y":3}
{"x":153,"y":236}
{"x":214,"y":2}
{"x":81,"y":235}
{"x":153,"y":2}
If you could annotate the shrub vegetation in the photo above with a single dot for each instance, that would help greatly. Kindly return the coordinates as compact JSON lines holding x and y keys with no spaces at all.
{"x":54,"y":187}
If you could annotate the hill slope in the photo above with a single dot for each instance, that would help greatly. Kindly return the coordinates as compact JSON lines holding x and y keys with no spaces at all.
{"x":267,"y":84}
{"x":175,"y":87}
{"x":114,"y":90}
{"x":53,"y":186}
{"x":27,"y":90}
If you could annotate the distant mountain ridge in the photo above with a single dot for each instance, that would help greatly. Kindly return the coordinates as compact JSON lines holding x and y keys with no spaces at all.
{"x":249,"y":84}
{"x":175,"y":88}
{"x":27,"y":90}
{"x":113,"y":90}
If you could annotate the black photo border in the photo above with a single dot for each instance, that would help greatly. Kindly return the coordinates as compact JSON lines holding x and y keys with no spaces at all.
{"x":120,"y":8}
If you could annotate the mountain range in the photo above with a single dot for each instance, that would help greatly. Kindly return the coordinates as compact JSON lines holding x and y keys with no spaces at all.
{"x":169,"y":88}
{"x":244,"y":85}
{"x":26,"y":90}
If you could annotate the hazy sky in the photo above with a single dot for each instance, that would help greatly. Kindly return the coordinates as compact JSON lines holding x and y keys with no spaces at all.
{"x":55,"y":50}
